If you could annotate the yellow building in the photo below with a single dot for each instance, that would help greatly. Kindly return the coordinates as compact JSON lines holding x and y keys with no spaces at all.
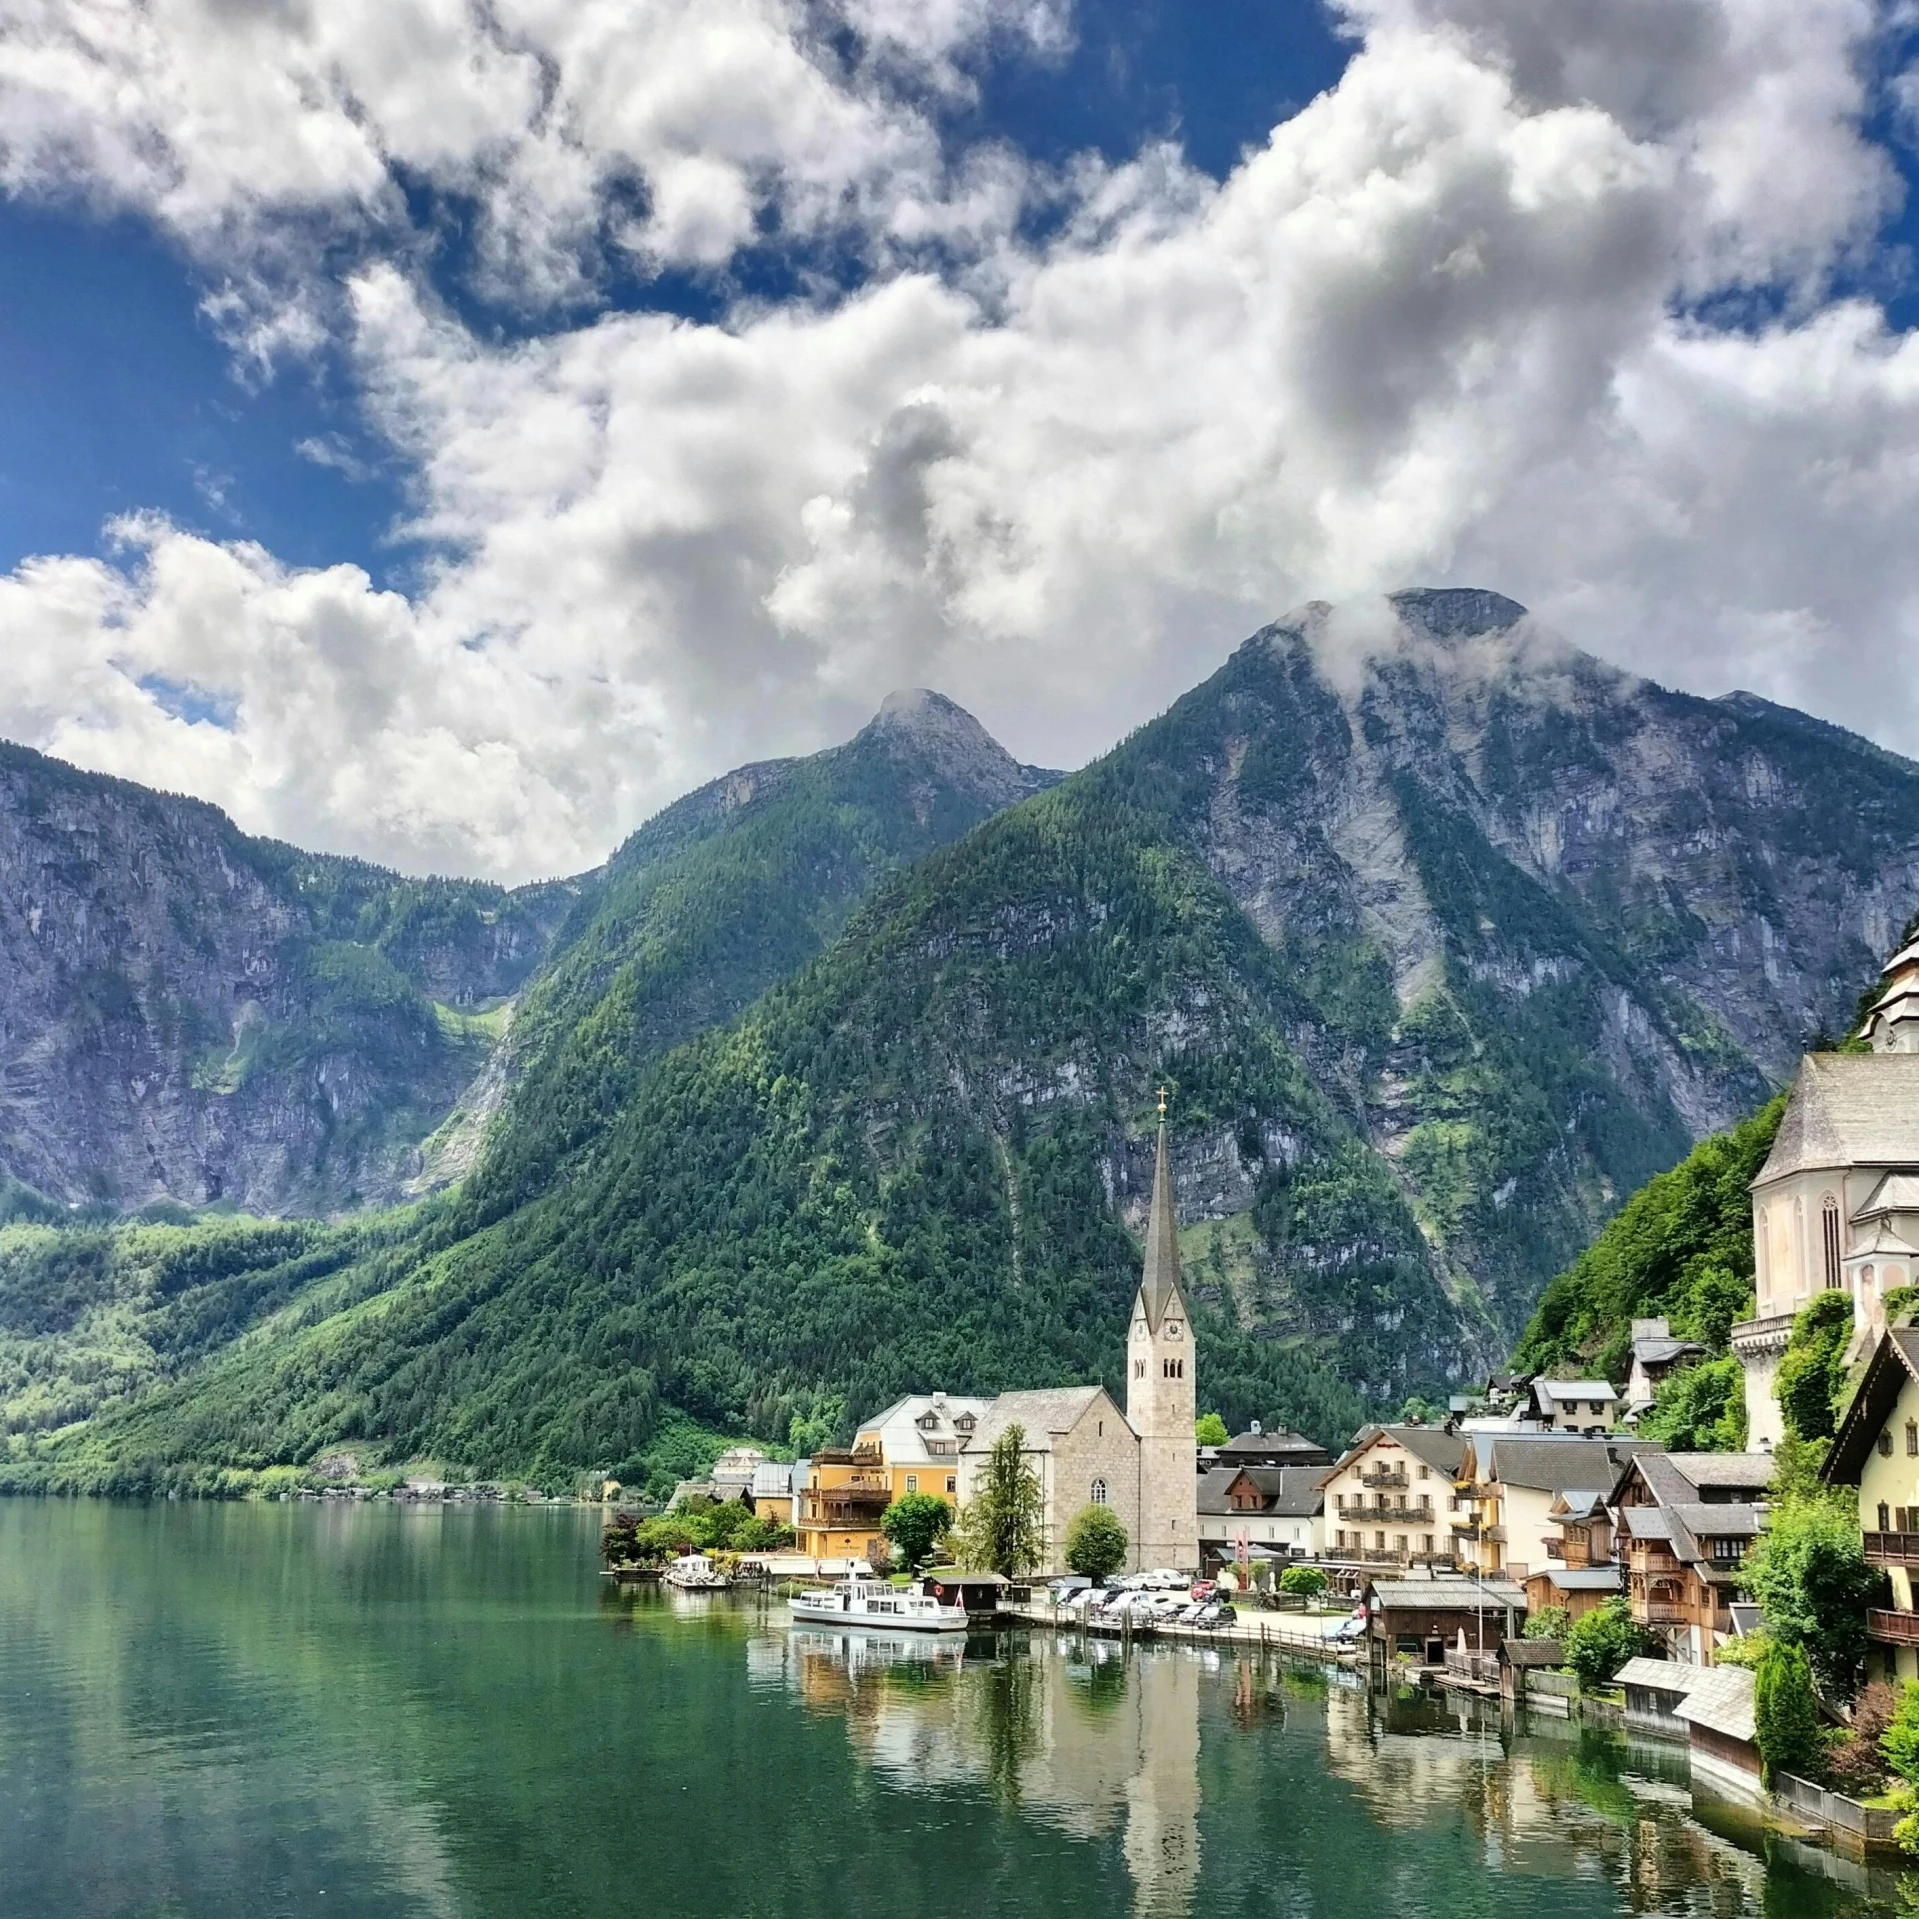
{"x":1877,"y":1450}
{"x":911,"y":1447}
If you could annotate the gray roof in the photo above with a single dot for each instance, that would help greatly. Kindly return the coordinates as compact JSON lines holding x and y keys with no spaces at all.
{"x":1286,"y":1492}
{"x":1644,"y":1522}
{"x":1584,"y":1579}
{"x":1580,"y":1502}
{"x":1574,"y":1389}
{"x":1659,"y":1675}
{"x":1448,"y":1595}
{"x":1277,"y":1441}
{"x":1549,"y":1463}
{"x":772,"y":1479}
{"x":1660,"y":1348}
{"x":1882,"y":1240}
{"x":1532,"y":1652}
{"x":1895,"y":1193}
{"x":1720,"y":1699}
{"x":1044,"y":1413}
{"x":1432,"y":1445}
{"x":1159,"y":1283}
{"x":1848,"y":1109}
{"x":1674,"y":1476}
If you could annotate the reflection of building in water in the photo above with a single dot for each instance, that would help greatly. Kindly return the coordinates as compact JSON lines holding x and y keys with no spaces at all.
{"x":1102,"y":1744}
{"x":1553,"y":1809}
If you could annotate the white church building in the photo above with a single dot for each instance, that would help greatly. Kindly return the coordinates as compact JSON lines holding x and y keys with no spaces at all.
{"x":1837,"y":1202}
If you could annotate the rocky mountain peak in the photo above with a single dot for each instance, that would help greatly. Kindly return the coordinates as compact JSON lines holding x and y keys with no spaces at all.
{"x":916,"y":722}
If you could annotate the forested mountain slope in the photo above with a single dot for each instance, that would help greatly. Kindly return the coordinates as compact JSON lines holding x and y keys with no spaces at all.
{"x":721,"y":896}
{"x":1444,"y":941}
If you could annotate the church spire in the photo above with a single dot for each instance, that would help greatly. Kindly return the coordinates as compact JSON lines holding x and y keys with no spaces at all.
{"x":1160,"y":1285}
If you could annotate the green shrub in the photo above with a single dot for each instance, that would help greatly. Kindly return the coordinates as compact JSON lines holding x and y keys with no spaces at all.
{"x":1786,"y":1714}
{"x":915,"y":1523}
{"x":1095,"y":1542}
{"x":1599,"y":1644}
{"x":1308,"y":1582}
{"x":1549,"y":1622}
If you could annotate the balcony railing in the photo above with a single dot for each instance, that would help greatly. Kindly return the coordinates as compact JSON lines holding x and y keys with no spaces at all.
{"x":1384,"y":1476}
{"x":1661,"y":1612}
{"x":1892,"y":1628}
{"x":1389,"y":1516}
{"x":1892,"y":1549}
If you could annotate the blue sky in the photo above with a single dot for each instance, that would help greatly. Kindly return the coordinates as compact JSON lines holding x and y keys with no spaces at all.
{"x":116,"y":395}
{"x":447,"y":433}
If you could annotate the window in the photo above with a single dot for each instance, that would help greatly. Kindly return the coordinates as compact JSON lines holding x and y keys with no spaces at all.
{"x":912,"y":1482}
{"x":1139,"y":1369}
{"x":1379,"y":1542}
{"x":1829,"y":1238}
{"x":1099,"y":1492}
{"x":1912,"y":1439}
{"x":1423,"y":1473}
{"x":1173,"y":1368}
{"x":1429,"y":1545}
{"x":1885,"y":1517}
{"x":1885,"y":1446}
{"x":952,"y":1482}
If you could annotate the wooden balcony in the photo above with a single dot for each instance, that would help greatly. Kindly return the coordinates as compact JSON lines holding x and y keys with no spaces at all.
{"x":1892,"y":1628}
{"x":1386,"y":1476}
{"x":1661,"y":1612}
{"x":1892,"y":1549}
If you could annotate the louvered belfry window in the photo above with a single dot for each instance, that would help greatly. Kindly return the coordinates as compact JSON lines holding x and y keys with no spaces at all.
{"x":1829,"y":1232}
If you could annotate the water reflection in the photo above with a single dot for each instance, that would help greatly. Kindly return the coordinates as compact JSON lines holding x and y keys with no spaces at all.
{"x":1082,"y":1739}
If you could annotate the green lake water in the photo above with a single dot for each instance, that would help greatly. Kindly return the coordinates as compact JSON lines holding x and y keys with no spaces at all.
{"x":249,"y":1710}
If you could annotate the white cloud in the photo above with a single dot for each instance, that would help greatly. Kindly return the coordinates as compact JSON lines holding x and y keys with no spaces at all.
{"x":1433,"y":330}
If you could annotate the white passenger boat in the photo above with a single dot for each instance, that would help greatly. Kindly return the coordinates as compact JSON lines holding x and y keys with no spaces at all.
{"x":873,"y":1602}
{"x":695,"y":1573}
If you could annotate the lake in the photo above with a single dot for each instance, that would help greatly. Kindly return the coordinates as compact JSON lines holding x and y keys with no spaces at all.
{"x":213,"y":1710}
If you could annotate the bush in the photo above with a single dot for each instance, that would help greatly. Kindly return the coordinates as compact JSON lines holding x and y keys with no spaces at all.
{"x":1809,"y":1573}
{"x":1700,"y":1410}
{"x":1599,"y":1644}
{"x":1549,"y":1622}
{"x":1855,"y":1764}
{"x":1812,"y":1375}
{"x":916,"y":1523}
{"x":1786,"y":1714}
{"x":1306,"y":1581}
{"x":1095,"y":1543}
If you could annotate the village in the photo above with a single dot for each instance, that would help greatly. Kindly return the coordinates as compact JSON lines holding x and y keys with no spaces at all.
{"x":1489,"y":1550}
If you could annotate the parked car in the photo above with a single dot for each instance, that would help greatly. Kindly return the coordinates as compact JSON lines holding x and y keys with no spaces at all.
{"x":1063,"y":1588}
{"x":1215,"y":1613}
{"x":1203,"y":1588}
{"x":1351,"y":1629}
{"x":1189,"y":1613}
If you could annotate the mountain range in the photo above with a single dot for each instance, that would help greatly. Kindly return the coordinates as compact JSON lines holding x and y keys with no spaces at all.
{"x":837,"y":1079}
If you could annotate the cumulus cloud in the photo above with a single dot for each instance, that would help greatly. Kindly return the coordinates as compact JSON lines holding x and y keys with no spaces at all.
{"x":1445,"y":325}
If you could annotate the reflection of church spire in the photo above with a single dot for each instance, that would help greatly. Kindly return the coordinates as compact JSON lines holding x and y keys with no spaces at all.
{"x":1160,"y":1286}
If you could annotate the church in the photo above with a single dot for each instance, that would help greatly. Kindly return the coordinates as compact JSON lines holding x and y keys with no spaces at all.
{"x":1836,"y":1205}
{"x":1082,"y":1448}
{"x":1143,"y":1463}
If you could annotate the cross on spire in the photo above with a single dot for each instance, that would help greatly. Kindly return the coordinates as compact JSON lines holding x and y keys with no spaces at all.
{"x":1162,"y":1102}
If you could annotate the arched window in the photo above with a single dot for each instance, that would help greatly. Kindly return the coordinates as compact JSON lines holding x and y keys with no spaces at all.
{"x":1829,"y":1239}
{"x":1099,"y":1497}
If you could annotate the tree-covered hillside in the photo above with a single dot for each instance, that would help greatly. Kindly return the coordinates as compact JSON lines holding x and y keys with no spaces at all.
{"x":721,"y":896}
{"x":1679,"y":1249}
{"x":1439,"y":959}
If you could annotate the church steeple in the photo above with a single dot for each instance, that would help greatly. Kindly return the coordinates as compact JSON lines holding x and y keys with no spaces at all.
{"x":1162,"y":1386}
{"x":1160,"y":1286}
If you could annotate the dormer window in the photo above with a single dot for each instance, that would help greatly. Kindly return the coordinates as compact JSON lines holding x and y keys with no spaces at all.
{"x":965,"y":1423}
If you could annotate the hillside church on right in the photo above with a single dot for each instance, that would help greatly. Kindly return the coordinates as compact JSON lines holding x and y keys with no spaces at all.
{"x":1837,"y":1202}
